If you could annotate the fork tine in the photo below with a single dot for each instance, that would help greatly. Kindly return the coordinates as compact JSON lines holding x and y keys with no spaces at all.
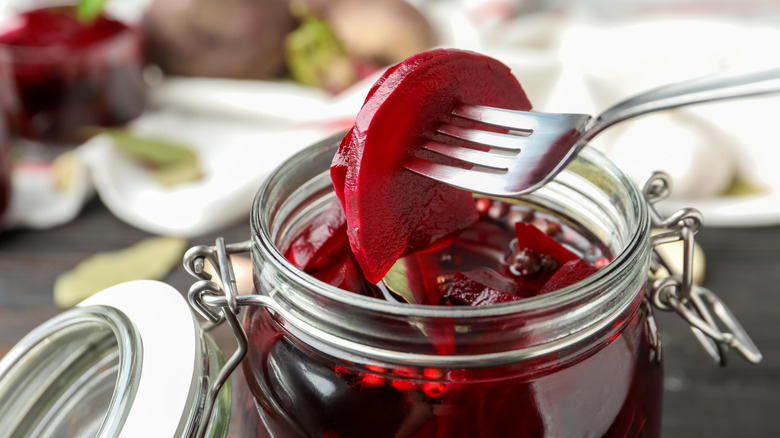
{"x":523,"y":121}
{"x":478,"y":182}
{"x":540,"y":144}
{"x":471,"y":156}
{"x":510,"y":142}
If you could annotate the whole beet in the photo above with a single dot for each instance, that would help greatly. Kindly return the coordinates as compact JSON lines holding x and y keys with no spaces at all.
{"x":383,"y":31}
{"x":241,"y":39}
{"x":342,"y":41}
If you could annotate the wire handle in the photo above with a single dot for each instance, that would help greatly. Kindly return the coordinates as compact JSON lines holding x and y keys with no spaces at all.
{"x":217,"y":305}
{"x":711,"y":321}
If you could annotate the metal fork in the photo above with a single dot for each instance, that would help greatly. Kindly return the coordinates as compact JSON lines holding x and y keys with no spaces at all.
{"x":538,"y":145}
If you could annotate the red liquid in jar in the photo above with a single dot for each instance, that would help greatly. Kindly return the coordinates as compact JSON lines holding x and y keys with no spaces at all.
{"x":487,"y":252}
{"x":612,"y":390}
{"x":68,"y":75}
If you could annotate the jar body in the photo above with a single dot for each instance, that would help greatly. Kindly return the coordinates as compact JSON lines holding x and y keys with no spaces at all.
{"x":583,"y":361}
{"x":615,"y":392}
{"x":60,"y":90}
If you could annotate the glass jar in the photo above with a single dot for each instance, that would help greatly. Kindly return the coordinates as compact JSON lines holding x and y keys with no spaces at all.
{"x":68,"y":77}
{"x":319,"y":361}
{"x":585,"y":360}
{"x":115,"y":366}
{"x":582,"y":361}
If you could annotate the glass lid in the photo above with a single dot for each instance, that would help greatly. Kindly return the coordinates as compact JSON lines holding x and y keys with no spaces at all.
{"x":126,"y":359}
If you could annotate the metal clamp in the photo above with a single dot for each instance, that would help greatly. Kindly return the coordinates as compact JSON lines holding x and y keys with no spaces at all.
{"x":206,"y":296}
{"x":710,"y":319}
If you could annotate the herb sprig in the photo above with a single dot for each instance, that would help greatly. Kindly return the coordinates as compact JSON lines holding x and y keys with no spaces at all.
{"x":88,"y":10}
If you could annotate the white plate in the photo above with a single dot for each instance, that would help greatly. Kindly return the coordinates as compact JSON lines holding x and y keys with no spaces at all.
{"x":733,"y":211}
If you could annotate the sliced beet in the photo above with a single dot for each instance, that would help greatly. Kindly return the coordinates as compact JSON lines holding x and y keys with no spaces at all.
{"x":471,"y":288}
{"x":344,"y":273}
{"x":338,"y":168}
{"x":568,"y":274}
{"x":322,"y":251}
{"x":389,"y":209}
{"x":322,"y":241}
{"x":531,"y":237}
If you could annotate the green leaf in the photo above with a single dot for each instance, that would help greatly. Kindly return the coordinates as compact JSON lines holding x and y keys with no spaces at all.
{"x":397,"y":281}
{"x":315,"y":57}
{"x":149,"y":259}
{"x":151,"y":151}
{"x":88,"y":10}
{"x":170,"y":163}
{"x":178,"y":173}
{"x":740,"y":187}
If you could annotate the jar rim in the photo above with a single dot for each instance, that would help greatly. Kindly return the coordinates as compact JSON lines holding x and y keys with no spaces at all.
{"x":52,"y":55}
{"x":573,"y":293}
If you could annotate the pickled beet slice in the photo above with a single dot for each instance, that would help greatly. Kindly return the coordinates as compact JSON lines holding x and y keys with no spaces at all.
{"x":343,"y":273}
{"x":568,"y":274}
{"x":473,"y":288}
{"x":324,"y":239}
{"x":481,"y":246}
{"x":322,"y":251}
{"x":531,"y":237}
{"x":391,"y":211}
{"x":338,"y":168}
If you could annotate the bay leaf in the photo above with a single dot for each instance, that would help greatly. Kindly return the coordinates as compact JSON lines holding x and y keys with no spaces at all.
{"x":170,"y":163}
{"x":397,"y":282}
{"x":741,"y":187}
{"x":175,"y":174}
{"x":150,"y":150}
{"x":150,"y":259}
{"x":63,"y":170}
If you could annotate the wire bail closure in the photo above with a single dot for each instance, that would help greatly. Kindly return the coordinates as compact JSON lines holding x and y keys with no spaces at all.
{"x":217,"y":305}
{"x":700,"y":307}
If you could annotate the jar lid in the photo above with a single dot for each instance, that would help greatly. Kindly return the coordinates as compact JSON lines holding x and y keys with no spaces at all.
{"x":125,"y":360}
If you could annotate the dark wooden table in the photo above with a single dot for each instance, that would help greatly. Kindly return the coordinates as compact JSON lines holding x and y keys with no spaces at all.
{"x":702,"y":399}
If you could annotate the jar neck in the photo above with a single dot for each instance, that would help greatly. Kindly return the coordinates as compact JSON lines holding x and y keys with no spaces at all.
{"x":591,"y":192}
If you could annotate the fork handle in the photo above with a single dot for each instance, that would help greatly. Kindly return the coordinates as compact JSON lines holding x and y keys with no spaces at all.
{"x":705,"y":89}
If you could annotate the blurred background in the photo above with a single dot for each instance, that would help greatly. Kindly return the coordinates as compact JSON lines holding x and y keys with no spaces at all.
{"x":253,"y":81}
{"x":139,"y":118}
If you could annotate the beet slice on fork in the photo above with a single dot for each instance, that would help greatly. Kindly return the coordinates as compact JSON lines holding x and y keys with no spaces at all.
{"x":391,"y":211}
